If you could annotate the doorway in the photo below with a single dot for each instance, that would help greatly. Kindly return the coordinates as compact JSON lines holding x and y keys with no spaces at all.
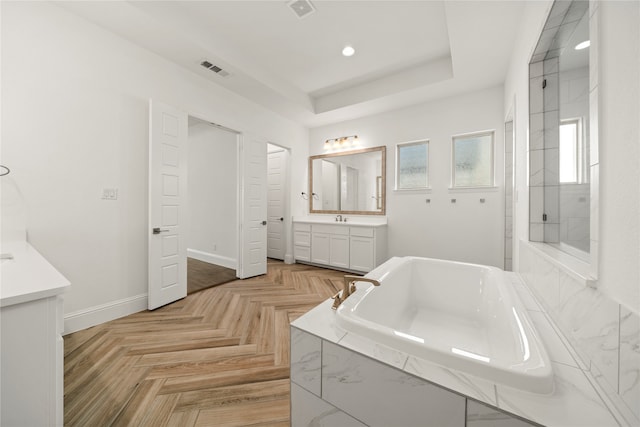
{"x":245,"y":203}
{"x":212,"y":189}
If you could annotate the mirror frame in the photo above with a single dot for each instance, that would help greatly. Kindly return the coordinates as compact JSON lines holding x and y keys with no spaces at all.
{"x":382,"y":200}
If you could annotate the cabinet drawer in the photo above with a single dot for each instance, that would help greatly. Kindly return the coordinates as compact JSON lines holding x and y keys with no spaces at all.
{"x":300,"y":226}
{"x":330,"y":229}
{"x":301,"y":238}
{"x":361,"y":231}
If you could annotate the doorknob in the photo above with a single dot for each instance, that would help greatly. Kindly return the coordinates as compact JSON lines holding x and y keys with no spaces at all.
{"x":264,"y":222}
{"x":281,"y":219}
{"x":158,"y":230}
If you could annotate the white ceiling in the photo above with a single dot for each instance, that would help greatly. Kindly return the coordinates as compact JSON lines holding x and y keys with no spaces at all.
{"x":407,"y":52}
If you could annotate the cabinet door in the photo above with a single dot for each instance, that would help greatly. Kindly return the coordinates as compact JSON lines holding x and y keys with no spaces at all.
{"x":339,"y":252}
{"x":362,"y":254}
{"x":320,"y":248}
{"x":302,"y":253}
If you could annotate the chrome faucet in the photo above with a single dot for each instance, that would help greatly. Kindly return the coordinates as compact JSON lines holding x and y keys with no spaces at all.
{"x":338,"y":218}
{"x":349,"y":288}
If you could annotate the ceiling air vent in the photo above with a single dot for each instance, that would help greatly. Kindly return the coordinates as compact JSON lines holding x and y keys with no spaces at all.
{"x":302,"y":8}
{"x":219,"y":71}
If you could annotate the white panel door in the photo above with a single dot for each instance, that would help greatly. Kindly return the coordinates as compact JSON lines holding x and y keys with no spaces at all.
{"x":167,"y":205}
{"x":252,"y":257}
{"x":276,"y":168}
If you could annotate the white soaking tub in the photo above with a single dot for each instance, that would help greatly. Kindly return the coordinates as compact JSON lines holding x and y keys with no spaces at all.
{"x":461,"y":316}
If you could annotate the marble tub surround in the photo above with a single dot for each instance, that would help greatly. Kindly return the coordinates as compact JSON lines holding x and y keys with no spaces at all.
{"x":603,"y":335}
{"x":574,"y":401}
{"x":479,"y":415}
{"x":306,"y":360}
{"x":629,"y":385}
{"x":308,"y":410}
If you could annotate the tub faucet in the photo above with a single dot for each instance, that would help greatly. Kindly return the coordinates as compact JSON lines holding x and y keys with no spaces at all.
{"x":338,"y":218}
{"x":349,"y":288}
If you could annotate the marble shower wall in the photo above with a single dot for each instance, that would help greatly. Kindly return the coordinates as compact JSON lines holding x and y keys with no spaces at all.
{"x":604,"y":334}
{"x":508,"y":195}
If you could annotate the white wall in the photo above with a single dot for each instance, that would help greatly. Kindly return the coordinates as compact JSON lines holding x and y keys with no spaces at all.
{"x":465,"y":231}
{"x":75,"y":120}
{"x":213,"y":194}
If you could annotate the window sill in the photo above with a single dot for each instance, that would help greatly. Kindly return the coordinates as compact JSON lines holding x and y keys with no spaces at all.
{"x":573,"y":266}
{"x":412,"y":190}
{"x":473,"y":189}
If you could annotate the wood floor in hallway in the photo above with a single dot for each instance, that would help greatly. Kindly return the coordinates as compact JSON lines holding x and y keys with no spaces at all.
{"x":219,"y":357}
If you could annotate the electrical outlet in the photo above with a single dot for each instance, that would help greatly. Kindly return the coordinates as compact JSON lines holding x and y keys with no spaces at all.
{"x":110,"y":194}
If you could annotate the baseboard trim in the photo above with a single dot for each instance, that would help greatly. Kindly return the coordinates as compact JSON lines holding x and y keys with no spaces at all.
{"x":288,"y":259}
{"x":92,"y":316}
{"x":212,"y":258}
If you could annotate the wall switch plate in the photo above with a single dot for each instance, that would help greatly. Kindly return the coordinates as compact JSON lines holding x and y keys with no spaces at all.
{"x":110,"y":194}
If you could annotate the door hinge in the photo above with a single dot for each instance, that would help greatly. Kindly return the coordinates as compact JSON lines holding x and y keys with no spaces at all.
{"x":544,"y":83}
{"x":544,"y":217}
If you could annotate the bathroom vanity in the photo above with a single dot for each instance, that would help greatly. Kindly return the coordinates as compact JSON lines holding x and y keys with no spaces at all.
{"x":31,"y":318}
{"x":354,"y":245}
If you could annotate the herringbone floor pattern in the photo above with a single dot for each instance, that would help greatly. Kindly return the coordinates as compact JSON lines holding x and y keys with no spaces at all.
{"x":219,"y":357}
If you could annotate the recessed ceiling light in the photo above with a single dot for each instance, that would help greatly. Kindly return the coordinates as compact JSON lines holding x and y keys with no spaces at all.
{"x":583,"y":45}
{"x":348,"y":51}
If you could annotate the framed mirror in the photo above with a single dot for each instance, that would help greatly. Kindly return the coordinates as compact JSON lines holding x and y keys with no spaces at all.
{"x":349,"y":182}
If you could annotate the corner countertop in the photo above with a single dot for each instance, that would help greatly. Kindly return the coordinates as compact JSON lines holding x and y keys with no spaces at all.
{"x":351,"y":220}
{"x":574,"y":401}
{"x":28,"y":276}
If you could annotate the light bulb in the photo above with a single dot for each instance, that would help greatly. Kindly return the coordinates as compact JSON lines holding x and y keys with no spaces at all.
{"x":585,"y":44}
{"x":348,"y":51}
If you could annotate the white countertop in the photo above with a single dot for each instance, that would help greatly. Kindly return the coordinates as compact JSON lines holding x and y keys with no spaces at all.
{"x":28,"y":276}
{"x":366,"y":221}
{"x":574,"y":401}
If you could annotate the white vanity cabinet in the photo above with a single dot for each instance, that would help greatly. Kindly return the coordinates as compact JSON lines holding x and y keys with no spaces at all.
{"x":343,"y":246}
{"x":330,"y":245}
{"x":31,"y":319}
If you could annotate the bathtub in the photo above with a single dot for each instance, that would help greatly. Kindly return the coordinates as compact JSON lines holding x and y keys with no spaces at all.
{"x":461,"y":316}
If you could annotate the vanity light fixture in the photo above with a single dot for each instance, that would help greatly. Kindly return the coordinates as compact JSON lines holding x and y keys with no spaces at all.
{"x":585,"y":44}
{"x":341,"y":142}
{"x":348,"y":51}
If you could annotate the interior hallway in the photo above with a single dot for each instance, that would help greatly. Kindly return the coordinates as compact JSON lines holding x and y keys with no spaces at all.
{"x":218,"y":357}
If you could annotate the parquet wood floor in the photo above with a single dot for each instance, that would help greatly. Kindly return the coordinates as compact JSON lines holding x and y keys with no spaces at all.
{"x":202,"y":275}
{"x":219,"y":357}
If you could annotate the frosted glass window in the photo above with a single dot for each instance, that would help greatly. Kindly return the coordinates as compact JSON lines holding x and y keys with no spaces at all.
{"x":473,"y":160}
{"x":412,"y":165}
{"x":569,"y":152}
